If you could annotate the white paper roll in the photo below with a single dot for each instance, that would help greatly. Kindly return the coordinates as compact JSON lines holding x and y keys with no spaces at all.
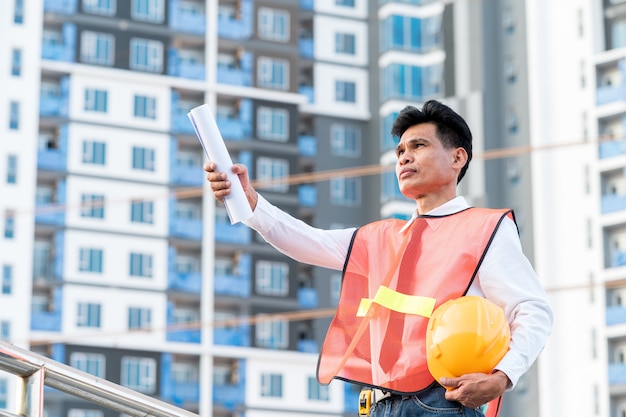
{"x":213,"y":144}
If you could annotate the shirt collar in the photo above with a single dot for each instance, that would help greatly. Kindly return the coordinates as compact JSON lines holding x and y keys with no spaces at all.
{"x":449,"y":207}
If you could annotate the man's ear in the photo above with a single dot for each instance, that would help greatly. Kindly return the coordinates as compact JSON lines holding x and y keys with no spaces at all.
{"x":460,"y":157}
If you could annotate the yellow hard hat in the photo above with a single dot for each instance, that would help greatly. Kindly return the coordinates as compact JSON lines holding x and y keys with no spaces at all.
{"x":466,"y":335}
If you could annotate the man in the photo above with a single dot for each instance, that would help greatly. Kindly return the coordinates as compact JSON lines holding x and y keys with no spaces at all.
{"x":447,"y":250}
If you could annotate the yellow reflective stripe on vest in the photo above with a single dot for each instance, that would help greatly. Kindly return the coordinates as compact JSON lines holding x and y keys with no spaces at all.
{"x":402,"y":303}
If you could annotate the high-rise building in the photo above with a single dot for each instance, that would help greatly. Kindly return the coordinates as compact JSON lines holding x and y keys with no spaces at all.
{"x":116,"y":260}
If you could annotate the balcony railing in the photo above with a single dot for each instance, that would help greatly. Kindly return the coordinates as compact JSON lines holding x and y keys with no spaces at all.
{"x":37,"y":371}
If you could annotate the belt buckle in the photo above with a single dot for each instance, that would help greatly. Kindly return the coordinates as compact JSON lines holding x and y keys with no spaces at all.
{"x":379,"y":395}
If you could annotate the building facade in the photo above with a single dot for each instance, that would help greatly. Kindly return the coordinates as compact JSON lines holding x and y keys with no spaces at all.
{"x":133,"y":273}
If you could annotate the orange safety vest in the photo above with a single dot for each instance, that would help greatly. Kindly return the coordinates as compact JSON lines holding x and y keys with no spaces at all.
{"x":438,"y":257}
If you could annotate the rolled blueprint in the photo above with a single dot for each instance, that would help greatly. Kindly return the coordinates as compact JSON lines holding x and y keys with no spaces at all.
{"x":212,"y":142}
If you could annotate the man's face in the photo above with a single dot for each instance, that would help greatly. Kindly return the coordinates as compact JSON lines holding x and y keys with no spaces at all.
{"x":424,"y":166}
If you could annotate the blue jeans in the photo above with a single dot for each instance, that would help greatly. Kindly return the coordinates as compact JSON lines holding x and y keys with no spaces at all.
{"x":430,"y":402}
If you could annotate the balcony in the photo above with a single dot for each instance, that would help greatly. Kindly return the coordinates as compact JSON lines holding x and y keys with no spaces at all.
{"x":610,"y":94}
{"x":48,"y":321}
{"x":236,"y":284}
{"x":615,"y":315}
{"x":190,"y":176}
{"x":184,"y":67}
{"x":612,"y":148}
{"x":63,"y":51}
{"x":173,"y":391}
{"x":307,"y":145}
{"x":617,"y":373}
{"x":306,"y":48}
{"x":190,"y":229}
{"x":237,"y":29}
{"x":232,"y":335}
{"x":307,"y":346}
{"x":613,"y":202}
{"x":60,"y":6}
{"x":186,"y":20}
{"x":307,"y":298}
{"x":186,"y":282}
{"x":239,"y":74}
{"x":229,"y":397}
{"x":308,"y":92}
{"x":52,"y":160}
{"x":50,"y":214}
{"x":177,"y":333}
{"x":619,"y":259}
{"x":307,"y":195}
{"x":238,"y":234}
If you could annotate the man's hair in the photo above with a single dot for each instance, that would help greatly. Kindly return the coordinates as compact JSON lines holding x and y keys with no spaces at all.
{"x":452,"y":129}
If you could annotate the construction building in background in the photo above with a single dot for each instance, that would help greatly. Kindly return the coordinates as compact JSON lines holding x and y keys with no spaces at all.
{"x":116,"y":259}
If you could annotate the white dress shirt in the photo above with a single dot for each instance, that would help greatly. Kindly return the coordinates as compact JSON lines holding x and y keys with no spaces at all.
{"x":505,"y":275}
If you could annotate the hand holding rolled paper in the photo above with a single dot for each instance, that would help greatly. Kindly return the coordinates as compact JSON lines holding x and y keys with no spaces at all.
{"x":213,"y":144}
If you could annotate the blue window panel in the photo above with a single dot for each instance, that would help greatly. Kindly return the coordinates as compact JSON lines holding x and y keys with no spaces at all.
{"x":9,"y":225}
{"x":94,"y":152}
{"x":96,"y":100}
{"x":14,"y":115}
{"x":152,"y":11}
{"x":7,"y":279}
{"x":143,"y":158}
{"x":88,"y":315}
{"x":145,"y":107}
{"x":140,"y":265}
{"x":16,"y":62}
{"x":146,"y":55}
{"x":139,"y":318}
{"x":142,"y":212}
{"x":345,"y":91}
{"x":18,"y":12}
{"x":90,"y":260}
{"x":11,"y":169}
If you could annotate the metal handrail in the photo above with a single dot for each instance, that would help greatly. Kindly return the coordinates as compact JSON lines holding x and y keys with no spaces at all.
{"x":37,"y":371}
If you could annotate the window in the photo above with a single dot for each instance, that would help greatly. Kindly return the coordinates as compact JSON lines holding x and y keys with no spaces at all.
{"x":16,"y":62}
{"x":88,"y":315}
{"x":412,"y":82}
{"x":345,"y":140}
{"x":139,"y":374}
{"x":140,"y":265}
{"x":14,"y":115}
{"x":11,"y":169}
{"x":5,"y":330}
{"x":273,"y":124}
{"x":92,"y":205}
{"x":412,"y":34}
{"x":345,"y":91}
{"x":7,"y":279}
{"x":145,"y":107}
{"x":273,"y":168}
{"x":141,"y":211}
{"x":4,"y":394}
{"x":271,"y":385}
{"x":146,"y":55}
{"x":273,"y":73}
{"x":92,"y":363}
{"x":318,"y":392}
{"x":345,"y":191}
{"x":102,"y":7}
{"x":152,"y":11}
{"x":9,"y":224}
{"x":618,"y":34}
{"x":273,"y":24}
{"x":96,"y":100}
{"x":272,"y":333}
{"x":94,"y":152}
{"x":345,"y":3}
{"x":185,"y":372}
{"x":143,"y":158}
{"x":97,"y":48}
{"x":139,"y":318}
{"x":345,"y":43}
{"x":18,"y":12}
{"x":90,"y":260}
{"x":272,"y":278}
